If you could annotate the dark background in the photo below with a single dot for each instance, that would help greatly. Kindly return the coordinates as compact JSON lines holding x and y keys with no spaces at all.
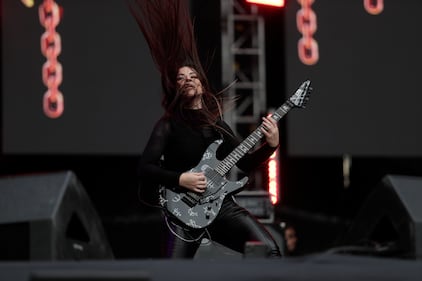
{"x":366,"y":101}
{"x":365,"y":104}
{"x":110,"y":85}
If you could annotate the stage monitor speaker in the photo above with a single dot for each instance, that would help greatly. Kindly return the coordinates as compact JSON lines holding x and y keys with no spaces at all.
{"x":49,"y":217}
{"x":390,"y":220}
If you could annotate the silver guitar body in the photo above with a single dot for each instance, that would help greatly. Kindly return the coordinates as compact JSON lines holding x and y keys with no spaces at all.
{"x":199,"y":210}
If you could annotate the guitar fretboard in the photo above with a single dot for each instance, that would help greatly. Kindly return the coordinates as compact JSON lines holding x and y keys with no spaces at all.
{"x":245,"y":146}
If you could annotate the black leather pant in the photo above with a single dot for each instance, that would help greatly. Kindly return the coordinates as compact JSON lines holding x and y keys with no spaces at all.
{"x":233,"y":227}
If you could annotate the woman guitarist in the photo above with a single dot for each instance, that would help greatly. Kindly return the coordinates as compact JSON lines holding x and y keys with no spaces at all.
{"x":191,"y":122}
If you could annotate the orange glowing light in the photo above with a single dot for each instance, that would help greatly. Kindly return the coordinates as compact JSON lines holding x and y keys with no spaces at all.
{"x":274,"y":3}
{"x":28,"y":3}
{"x":272,"y":174}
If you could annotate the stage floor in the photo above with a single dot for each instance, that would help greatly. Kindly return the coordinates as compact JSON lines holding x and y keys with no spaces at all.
{"x":322,"y":266}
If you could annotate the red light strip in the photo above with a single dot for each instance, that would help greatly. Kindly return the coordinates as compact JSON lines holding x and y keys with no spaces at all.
{"x":275,"y":3}
{"x":273,"y":179}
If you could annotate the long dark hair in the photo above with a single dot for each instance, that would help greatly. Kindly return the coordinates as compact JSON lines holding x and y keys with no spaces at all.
{"x":169,"y":32}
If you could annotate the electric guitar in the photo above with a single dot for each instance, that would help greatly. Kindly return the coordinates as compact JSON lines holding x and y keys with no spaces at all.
{"x":199,"y":210}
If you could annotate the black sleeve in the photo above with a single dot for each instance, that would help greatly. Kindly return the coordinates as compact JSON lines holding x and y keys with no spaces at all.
{"x":253,"y":159}
{"x":150,"y":169}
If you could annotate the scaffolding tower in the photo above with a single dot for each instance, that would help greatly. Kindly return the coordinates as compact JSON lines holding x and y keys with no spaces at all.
{"x":243,"y":62}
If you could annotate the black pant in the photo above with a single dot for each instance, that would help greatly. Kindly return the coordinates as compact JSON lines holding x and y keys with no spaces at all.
{"x":233,"y":227}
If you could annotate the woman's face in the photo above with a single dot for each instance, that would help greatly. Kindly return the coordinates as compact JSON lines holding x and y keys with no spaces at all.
{"x":188,"y":80}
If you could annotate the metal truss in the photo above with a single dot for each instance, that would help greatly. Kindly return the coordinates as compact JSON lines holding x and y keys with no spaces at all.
{"x":243,"y":62}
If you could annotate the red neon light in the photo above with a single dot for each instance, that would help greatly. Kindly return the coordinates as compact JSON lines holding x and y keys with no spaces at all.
{"x":275,"y":3}
{"x":272,"y":172}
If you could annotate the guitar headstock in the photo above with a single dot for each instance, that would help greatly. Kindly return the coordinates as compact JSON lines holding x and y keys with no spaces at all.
{"x":301,"y":97}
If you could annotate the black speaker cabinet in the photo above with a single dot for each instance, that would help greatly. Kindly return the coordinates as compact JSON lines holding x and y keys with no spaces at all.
{"x":390,"y":219}
{"x":49,"y":217}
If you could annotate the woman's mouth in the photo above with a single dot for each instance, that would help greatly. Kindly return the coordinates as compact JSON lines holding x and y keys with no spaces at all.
{"x":188,"y":87}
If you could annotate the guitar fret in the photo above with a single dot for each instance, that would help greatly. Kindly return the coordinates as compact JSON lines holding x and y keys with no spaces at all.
{"x":223,"y":166}
{"x":247,"y":144}
{"x":252,"y":139}
{"x":276,"y":116}
{"x":231,"y":160}
{"x":226,"y":170}
{"x":219,"y":171}
{"x":236,"y":155}
{"x":239,"y":153}
{"x":242,"y":148}
{"x":259,"y":134}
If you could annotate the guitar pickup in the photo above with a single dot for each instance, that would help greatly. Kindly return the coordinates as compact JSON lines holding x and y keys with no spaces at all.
{"x":189,"y":200}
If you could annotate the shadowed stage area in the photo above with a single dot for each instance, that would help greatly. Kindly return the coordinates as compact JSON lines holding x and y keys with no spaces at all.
{"x":324,"y":266}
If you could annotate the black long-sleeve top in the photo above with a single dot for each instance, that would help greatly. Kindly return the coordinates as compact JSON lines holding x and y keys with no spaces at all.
{"x":175,"y":147}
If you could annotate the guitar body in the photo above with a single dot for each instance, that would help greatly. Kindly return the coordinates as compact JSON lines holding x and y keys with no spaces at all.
{"x":199,"y":210}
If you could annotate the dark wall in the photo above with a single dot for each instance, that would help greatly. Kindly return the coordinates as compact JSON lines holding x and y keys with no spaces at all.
{"x":110,"y":86}
{"x":366,"y":102}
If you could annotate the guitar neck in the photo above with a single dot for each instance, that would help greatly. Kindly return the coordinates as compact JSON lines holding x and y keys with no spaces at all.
{"x":246,"y":145}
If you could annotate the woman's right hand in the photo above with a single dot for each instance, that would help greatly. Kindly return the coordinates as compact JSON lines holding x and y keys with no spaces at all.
{"x":196,"y":182}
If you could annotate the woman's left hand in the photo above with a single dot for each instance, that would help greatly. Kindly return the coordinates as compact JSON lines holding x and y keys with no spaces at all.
{"x":270,"y":131}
